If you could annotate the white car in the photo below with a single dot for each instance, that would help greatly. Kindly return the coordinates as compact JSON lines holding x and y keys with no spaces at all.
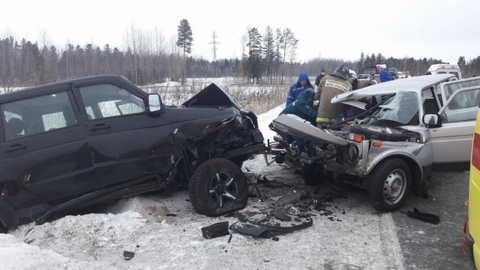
{"x":421,"y":124}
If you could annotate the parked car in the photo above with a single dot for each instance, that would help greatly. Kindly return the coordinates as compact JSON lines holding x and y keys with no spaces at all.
{"x":363,"y":76}
{"x":394,"y":146}
{"x":77,"y":143}
{"x":471,"y":227}
{"x":445,"y":68}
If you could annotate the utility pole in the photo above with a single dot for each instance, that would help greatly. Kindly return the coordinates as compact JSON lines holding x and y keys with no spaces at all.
{"x":214,"y":42}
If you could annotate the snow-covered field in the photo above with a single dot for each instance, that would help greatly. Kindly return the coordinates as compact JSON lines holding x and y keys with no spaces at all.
{"x":164,"y":232}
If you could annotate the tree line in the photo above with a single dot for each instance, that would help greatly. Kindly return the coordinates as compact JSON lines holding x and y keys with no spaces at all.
{"x":149,"y":58}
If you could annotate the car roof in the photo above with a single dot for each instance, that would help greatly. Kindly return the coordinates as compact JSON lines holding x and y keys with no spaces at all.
{"x":39,"y":90}
{"x":415,"y":84}
{"x":443,"y":66}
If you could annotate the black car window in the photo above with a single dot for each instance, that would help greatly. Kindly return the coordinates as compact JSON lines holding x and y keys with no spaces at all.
{"x":37,"y":115}
{"x":107,"y":100}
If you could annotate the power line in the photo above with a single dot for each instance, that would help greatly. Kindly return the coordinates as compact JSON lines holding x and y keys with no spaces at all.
{"x":214,"y":42}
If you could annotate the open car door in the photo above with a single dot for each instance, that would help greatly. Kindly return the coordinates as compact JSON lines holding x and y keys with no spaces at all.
{"x":454,"y":137}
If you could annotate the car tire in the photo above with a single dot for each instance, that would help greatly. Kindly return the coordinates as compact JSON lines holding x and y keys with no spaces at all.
{"x":379,"y":132}
{"x":217,"y":187}
{"x":389,"y":184}
{"x":314,"y":174}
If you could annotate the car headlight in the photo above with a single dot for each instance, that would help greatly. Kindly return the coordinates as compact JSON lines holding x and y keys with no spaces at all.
{"x":352,"y":152}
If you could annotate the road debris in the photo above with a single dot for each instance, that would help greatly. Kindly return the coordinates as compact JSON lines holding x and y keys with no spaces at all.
{"x":427,"y":217}
{"x":129,"y":252}
{"x":215,"y":230}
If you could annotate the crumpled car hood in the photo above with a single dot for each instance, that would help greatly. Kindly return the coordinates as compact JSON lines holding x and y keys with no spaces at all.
{"x":297,"y":127}
{"x":212,"y":96}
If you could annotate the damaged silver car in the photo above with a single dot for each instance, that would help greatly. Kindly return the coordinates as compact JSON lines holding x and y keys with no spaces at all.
{"x":423,"y":123}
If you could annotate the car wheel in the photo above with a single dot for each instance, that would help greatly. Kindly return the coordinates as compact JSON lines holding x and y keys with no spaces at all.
{"x":314,"y":174}
{"x":380,"y":132}
{"x":388,"y":184}
{"x":217,"y":187}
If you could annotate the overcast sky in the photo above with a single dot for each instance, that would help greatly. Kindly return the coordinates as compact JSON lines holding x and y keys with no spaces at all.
{"x":440,"y":29}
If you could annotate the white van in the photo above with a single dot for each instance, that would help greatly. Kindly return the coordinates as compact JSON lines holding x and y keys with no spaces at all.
{"x":445,"y":69}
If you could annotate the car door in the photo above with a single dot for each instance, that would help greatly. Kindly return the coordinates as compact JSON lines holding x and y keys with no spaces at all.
{"x":448,"y":88}
{"x":451,"y":143}
{"x":44,"y":156}
{"x":123,"y":138}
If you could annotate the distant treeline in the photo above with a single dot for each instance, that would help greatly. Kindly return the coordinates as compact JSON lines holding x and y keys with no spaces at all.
{"x":25,"y":63}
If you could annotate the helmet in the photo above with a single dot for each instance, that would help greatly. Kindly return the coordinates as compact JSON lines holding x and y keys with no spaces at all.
{"x":342,"y":72}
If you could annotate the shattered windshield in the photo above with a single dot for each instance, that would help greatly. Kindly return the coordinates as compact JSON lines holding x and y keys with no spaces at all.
{"x":401,"y":108}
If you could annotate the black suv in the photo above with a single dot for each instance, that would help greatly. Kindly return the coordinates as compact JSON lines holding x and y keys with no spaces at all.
{"x":77,"y":143}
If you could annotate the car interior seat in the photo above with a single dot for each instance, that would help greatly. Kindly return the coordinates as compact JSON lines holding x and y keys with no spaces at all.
{"x":35,"y":128}
{"x":14,"y":128}
{"x":69,"y":116}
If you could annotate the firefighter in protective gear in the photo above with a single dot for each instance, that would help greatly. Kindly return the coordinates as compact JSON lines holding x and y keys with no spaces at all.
{"x":330,"y":86}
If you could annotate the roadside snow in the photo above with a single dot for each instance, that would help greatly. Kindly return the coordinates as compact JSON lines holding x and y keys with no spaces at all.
{"x":164,"y":232}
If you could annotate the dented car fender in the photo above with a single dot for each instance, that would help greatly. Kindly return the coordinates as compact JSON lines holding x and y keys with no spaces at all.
{"x":391,"y":149}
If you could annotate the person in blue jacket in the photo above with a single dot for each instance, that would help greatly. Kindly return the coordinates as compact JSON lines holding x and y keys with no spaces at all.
{"x":303,"y":106}
{"x":302,"y":83}
{"x":385,"y":76}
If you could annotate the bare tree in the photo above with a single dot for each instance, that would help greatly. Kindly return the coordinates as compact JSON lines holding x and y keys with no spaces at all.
{"x":44,"y":38}
{"x":132,"y":43}
{"x":174,"y":59}
{"x":289,"y":45}
{"x":160,"y":42}
{"x":278,"y":54}
{"x":244,"y":41}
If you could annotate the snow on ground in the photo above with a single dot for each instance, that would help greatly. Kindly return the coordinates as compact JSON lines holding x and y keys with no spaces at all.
{"x":164,"y":232}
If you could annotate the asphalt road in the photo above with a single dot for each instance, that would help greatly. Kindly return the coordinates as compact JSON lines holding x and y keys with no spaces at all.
{"x":423,"y":245}
{"x":436,"y":246}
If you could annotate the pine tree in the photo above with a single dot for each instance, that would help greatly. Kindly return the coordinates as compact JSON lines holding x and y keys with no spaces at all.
{"x":269,"y":52}
{"x":254,"y":61}
{"x":361,"y":62}
{"x":184,"y":41}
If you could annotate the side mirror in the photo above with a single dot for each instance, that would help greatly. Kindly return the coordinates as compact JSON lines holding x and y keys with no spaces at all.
{"x":154,"y":104}
{"x":432,"y":120}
